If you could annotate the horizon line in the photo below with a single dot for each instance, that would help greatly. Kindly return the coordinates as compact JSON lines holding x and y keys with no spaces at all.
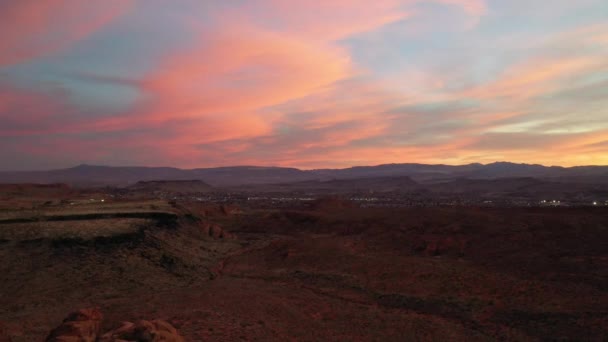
{"x":297,"y":168}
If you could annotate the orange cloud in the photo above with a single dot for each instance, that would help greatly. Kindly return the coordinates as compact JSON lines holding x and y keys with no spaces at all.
{"x":33,"y":28}
{"x":535,"y":77}
{"x":475,"y":8}
{"x":332,"y":20}
{"x":346,"y":157}
{"x":579,"y":54}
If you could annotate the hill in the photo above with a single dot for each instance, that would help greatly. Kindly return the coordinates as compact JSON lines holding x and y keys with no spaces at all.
{"x":89,"y":175}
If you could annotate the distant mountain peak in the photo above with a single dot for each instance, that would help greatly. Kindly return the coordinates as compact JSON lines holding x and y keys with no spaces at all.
{"x":86,"y":166}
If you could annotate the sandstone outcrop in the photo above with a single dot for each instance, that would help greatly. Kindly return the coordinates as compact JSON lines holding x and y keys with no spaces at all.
{"x":80,"y":326}
{"x":228,"y":210}
{"x":144,"y":331}
{"x":215,"y":231}
{"x":84,"y":326}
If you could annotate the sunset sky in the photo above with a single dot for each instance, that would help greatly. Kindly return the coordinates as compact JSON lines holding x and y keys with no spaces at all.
{"x":308,"y":84}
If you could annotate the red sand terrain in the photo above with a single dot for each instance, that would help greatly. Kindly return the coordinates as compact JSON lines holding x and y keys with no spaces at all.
{"x":332,"y":273}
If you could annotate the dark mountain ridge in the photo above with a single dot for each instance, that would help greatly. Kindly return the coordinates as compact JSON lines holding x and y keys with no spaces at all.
{"x":88,"y":175}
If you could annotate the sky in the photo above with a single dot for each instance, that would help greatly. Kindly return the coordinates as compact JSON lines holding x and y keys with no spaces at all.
{"x":301,"y":83}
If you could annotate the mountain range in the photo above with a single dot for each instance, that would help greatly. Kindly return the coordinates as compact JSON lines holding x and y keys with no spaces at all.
{"x":92,"y":175}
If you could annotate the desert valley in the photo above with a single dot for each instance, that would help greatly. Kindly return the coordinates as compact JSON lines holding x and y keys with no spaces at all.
{"x":218,"y":267}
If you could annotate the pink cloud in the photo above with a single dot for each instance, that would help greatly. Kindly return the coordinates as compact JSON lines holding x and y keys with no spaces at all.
{"x":244,"y":68}
{"x":475,"y":8}
{"x":220,"y":86}
{"x":329,"y":20}
{"x":33,"y":29}
{"x":337,"y":19}
{"x":24,"y":112}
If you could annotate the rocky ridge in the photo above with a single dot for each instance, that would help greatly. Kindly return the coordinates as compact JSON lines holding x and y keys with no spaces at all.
{"x":85,"y":326}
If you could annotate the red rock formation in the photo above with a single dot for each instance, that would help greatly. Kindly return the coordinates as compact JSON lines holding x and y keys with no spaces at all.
{"x":230,"y":209}
{"x":215,"y":231}
{"x":80,"y":326}
{"x":84,"y":325}
{"x":143,"y":331}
